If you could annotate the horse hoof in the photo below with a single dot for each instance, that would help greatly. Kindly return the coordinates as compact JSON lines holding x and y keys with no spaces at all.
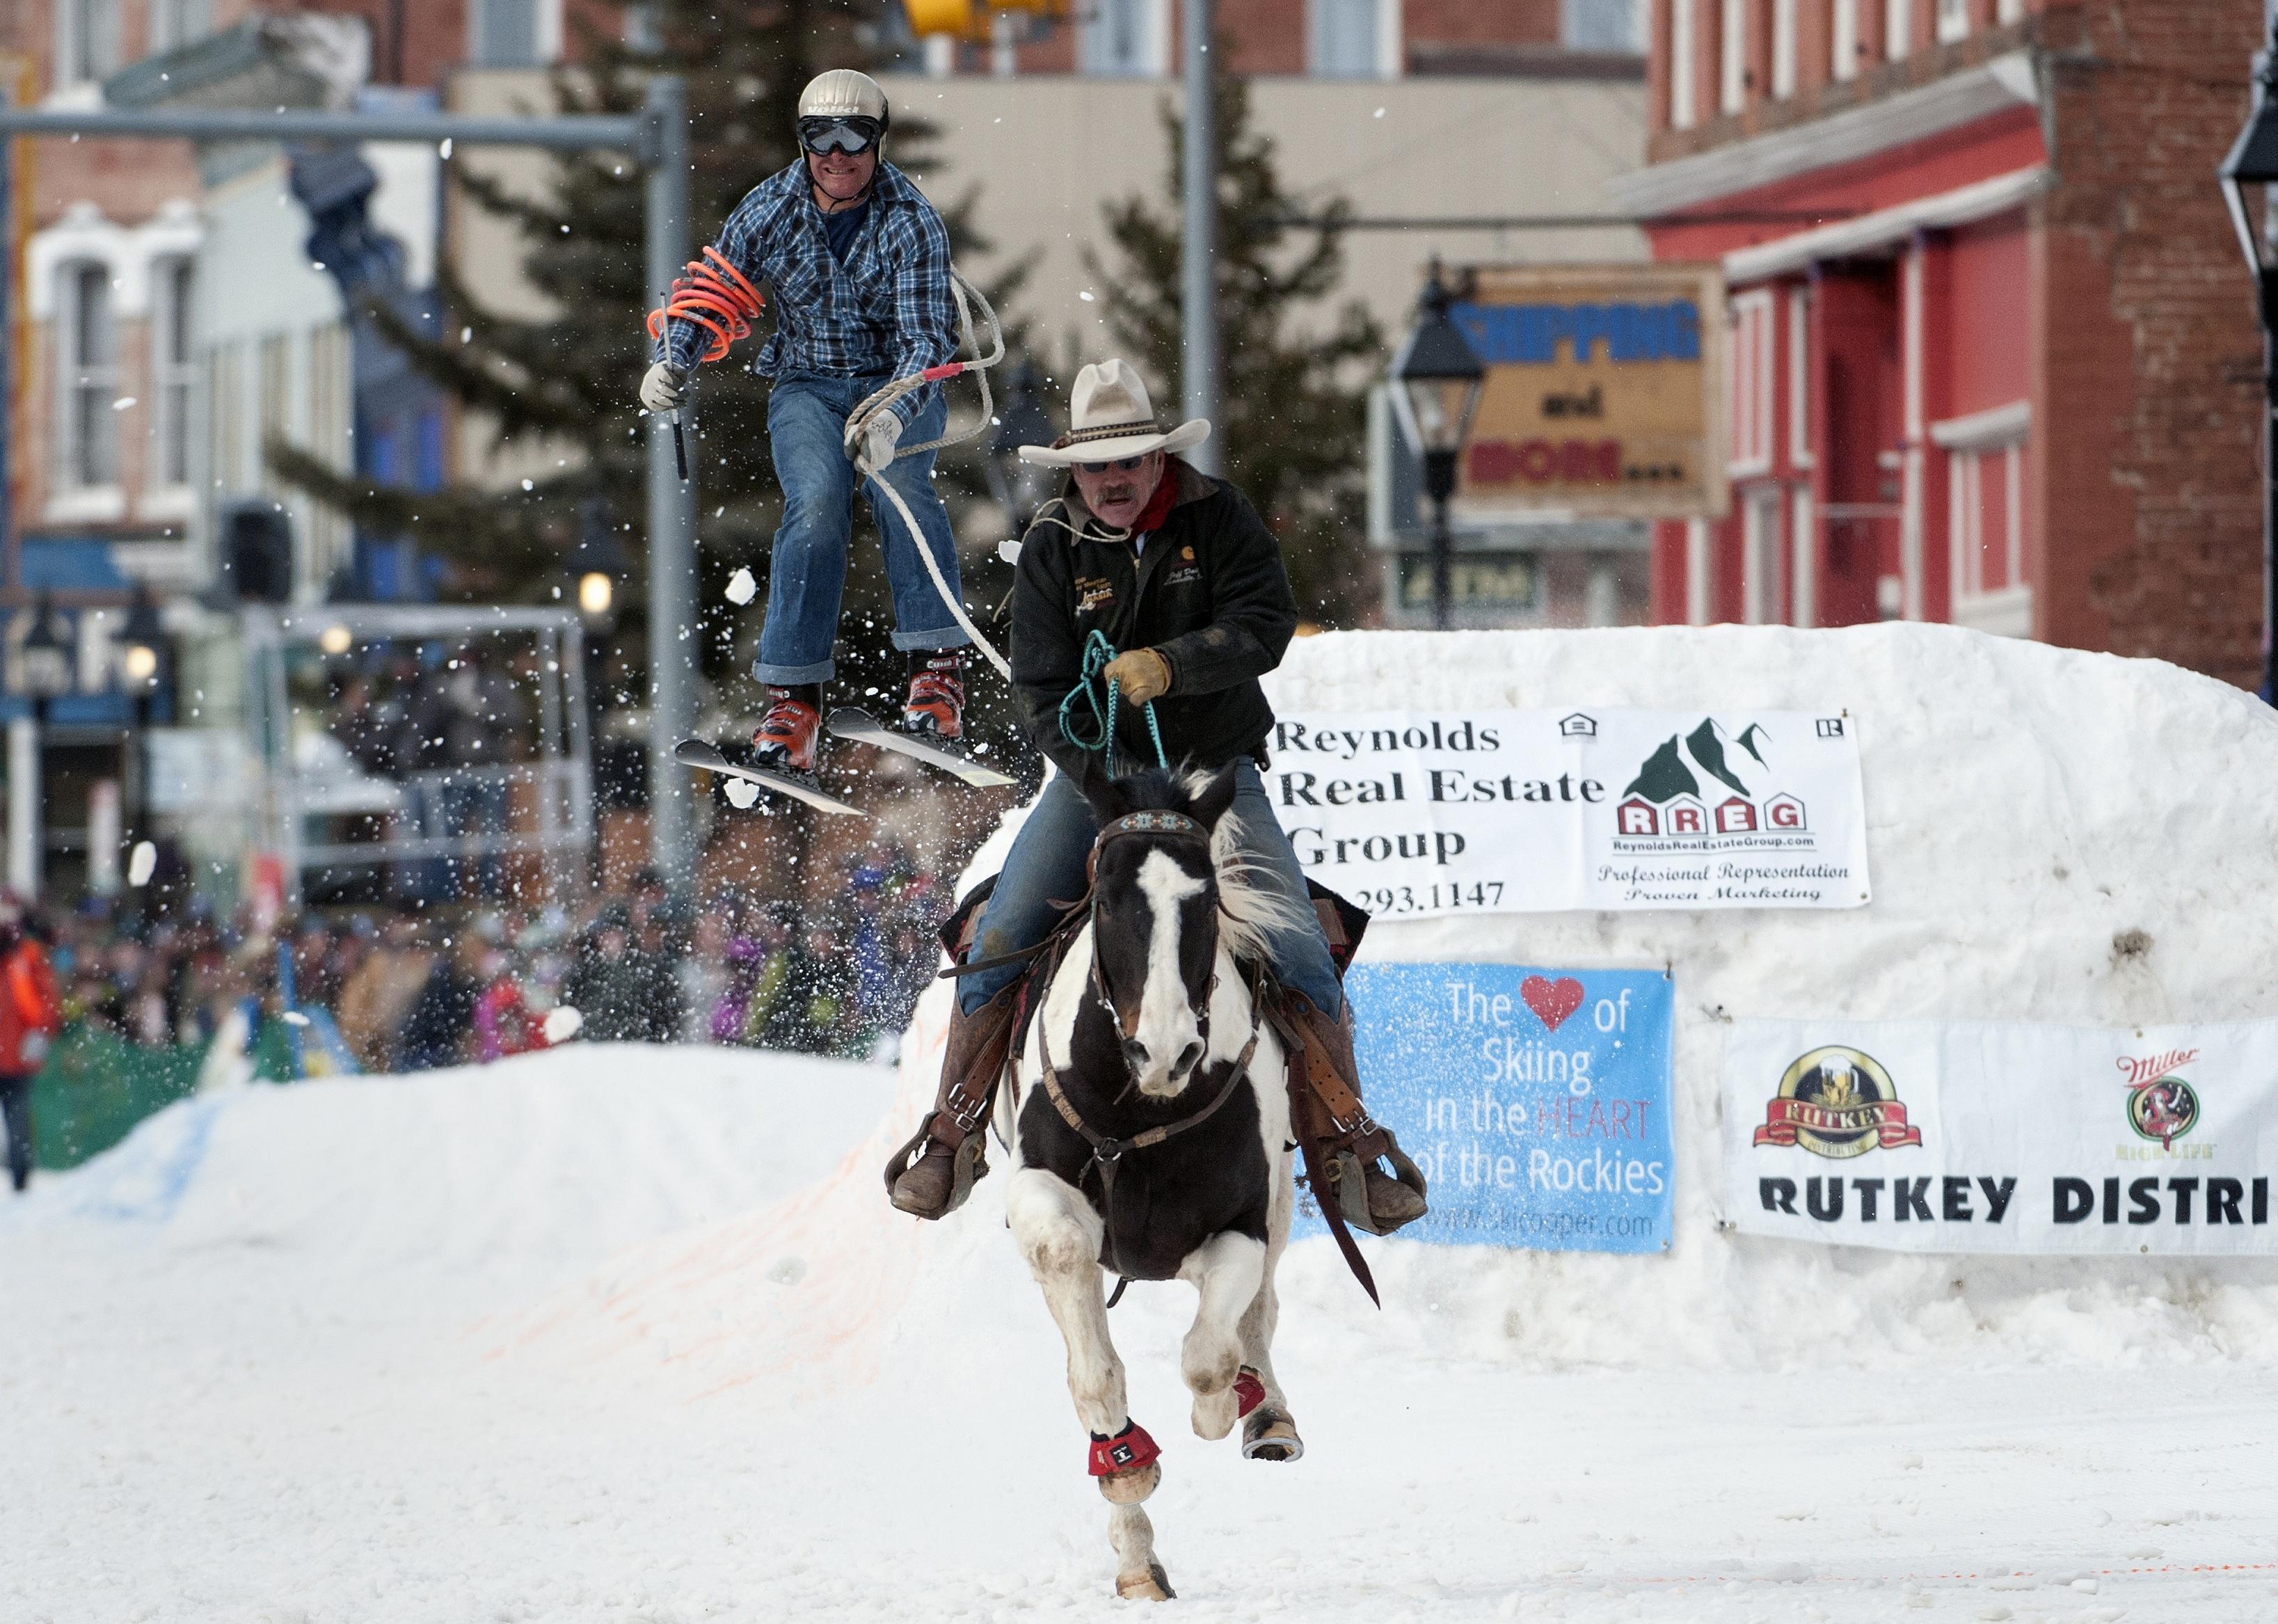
{"x":1153,"y":1585}
{"x":1270,"y":1437}
{"x":1130,"y":1488}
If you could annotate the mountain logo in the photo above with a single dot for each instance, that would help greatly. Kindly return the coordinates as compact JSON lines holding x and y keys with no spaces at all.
{"x":1838,"y":1103}
{"x":1668,"y":797}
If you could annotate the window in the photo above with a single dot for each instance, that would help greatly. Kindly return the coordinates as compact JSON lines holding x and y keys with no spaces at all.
{"x":1124,"y":39}
{"x":1986,"y":510}
{"x":1952,"y":20}
{"x":505,"y":33}
{"x":1732,"y":52}
{"x":88,"y":42}
{"x":1700,"y":602}
{"x":1752,"y":382}
{"x":1843,"y":53}
{"x":1347,"y":38}
{"x":1798,"y":376}
{"x":178,"y":22}
{"x":87,"y":355}
{"x":1602,"y":25}
{"x":1898,"y":27}
{"x":1783,"y":48}
{"x":174,"y":372}
{"x":1683,"y":69}
{"x":1762,"y":590}
{"x":2009,"y":10}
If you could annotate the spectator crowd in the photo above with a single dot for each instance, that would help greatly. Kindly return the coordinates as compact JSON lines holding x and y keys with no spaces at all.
{"x":420,"y":986}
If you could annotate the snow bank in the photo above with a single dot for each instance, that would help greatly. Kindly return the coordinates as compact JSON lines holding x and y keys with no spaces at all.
{"x":464,"y":1186}
{"x":2028,"y":807}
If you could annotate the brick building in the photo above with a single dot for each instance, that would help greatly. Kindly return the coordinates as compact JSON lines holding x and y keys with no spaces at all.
{"x":1994,"y":360}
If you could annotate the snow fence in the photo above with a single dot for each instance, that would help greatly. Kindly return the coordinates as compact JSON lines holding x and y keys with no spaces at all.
{"x":2053,"y":836}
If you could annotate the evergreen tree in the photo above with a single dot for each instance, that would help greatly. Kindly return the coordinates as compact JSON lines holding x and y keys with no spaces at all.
{"x":1292,"y":401}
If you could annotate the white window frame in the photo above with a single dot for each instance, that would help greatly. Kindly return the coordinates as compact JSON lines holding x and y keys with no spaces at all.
{"x":1384,"y":41}
{"x":1732,"y":58}
{"x":173,"y":377}
{"x":76,"y":25}
{"x":1798,"y":376}
{"x":1683,"y":62}
{"x":1898,"y":29}
{"x":2003,"y":431}
{"x":1843,"y":40}
{"x":1763,"y":564}
{"x":78,"y":382}
{"x":1953,"y":20}
{"x":1699,"y":597}
{"x":1752,"y":315}
{"x":1804,"y":544}
{"x":1784,"y":64}
{"x":2007,"y":11}
{"x":1152,"y":59}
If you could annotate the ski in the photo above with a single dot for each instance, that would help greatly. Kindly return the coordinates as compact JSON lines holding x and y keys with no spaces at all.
{"x":860,"y":727}
{"x":701,"y":752}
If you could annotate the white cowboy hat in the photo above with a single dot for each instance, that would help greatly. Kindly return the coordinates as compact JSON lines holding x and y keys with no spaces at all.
{"x":1110,"y":417}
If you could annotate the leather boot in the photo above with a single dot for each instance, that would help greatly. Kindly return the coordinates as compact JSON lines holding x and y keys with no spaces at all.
{"x":1369,"y":1198}
{"x":951,"y":1149}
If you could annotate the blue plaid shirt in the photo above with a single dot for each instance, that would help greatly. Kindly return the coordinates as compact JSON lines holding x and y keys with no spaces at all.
{"x":887,"y":312}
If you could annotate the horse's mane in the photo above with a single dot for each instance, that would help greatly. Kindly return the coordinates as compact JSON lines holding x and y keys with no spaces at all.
{"x":1247,"y":912}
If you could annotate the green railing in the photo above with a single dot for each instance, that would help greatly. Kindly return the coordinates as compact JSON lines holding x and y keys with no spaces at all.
{"x":96,"y":1086}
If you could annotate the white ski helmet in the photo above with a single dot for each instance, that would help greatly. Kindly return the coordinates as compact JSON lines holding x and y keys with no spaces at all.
{"x":843,"y":93}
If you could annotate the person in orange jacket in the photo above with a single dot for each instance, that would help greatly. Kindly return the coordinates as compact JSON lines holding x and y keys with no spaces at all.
{"x":31,"y":1015}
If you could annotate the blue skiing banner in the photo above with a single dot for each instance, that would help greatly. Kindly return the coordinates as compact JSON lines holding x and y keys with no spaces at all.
{"x":1536,"y":1102}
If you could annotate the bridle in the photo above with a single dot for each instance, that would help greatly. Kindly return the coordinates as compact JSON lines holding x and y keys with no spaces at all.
{"x":1107,"y":1152}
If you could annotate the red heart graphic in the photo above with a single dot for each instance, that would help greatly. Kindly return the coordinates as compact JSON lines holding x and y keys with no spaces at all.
{"x":1552,"y":1001}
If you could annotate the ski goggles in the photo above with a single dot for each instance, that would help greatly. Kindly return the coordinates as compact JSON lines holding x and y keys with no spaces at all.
{"x":1121,"y":464}
{"x":838,"y":135}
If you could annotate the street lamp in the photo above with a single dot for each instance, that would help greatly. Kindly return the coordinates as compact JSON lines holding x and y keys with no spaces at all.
{"x":1440,"y":375}
{"x":596,"y":564}
{"x":2247,"y":176}
{"x":142,"y":642}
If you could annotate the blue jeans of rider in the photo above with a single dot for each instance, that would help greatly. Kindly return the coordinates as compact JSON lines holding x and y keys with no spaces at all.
{"x":1046,"y":864}
{"x":806,"y":425}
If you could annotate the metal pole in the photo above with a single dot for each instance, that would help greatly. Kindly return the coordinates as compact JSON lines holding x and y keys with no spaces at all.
{"x":1199,"y":250}
{"x":1443,"y":547}
{"x":2270,"y":485}
{"x":671,"y":518}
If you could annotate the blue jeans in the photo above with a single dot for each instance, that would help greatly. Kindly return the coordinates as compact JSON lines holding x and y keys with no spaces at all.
{"x":806,"y":423}
{"x":1046,"y":864}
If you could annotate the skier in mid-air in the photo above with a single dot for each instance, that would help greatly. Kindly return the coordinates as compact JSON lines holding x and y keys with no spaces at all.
{"x":857,"y":262}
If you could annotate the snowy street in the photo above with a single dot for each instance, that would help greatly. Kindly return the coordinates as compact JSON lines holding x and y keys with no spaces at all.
{"x":375,"y":1394}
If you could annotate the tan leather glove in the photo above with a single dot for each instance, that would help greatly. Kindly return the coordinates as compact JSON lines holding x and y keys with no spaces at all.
{"x":1140,"y":676}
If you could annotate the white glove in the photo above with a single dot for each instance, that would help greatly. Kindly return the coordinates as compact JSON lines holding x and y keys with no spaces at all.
{"x":878,"y":442}
{"x":660,"y":390}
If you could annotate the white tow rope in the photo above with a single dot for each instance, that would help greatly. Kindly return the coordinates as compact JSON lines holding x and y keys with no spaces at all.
{"x":858,"y":433}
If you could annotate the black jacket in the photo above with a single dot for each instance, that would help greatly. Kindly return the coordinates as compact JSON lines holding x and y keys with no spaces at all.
{"x":1209,"y":592}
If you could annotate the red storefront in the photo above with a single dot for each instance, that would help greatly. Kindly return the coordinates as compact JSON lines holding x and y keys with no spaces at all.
{"x":1992,"y":356}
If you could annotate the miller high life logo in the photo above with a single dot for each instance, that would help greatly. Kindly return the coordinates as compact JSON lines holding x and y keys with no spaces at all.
{"x":2161,"y":1104}
{"x":1838,"y":1103}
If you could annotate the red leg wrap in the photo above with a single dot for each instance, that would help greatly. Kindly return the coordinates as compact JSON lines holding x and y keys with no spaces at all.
{"x":1249,"y":1392}
{"x":1128,"y":1451}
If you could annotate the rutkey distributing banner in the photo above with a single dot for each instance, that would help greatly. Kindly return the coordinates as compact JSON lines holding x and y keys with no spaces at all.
{"x":1539,"y":811}
{"x":1956,"y":1136}
{"x":1536,"y":1102}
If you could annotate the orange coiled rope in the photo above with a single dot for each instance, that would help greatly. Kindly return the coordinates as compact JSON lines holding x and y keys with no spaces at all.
{"x":713,"y":287}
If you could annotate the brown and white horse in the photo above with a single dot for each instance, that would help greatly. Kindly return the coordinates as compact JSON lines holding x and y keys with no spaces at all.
{"x":1150,"y":1125}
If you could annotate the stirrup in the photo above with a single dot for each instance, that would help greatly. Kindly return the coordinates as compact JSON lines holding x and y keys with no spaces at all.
{"x":1350,"y":1175}
{"x":969,"y":1166}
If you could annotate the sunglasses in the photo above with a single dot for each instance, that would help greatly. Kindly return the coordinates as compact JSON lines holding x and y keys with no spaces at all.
{"x":838,"y":134}
{"x":1122,"y":465}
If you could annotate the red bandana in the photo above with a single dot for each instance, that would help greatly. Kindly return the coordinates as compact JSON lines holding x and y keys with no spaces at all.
{"x":1159,"y":506}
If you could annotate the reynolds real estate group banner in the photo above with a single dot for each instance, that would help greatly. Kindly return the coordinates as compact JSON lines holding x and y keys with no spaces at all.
{"x":1414,"y":813}
{"x":1956,"y":1136}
